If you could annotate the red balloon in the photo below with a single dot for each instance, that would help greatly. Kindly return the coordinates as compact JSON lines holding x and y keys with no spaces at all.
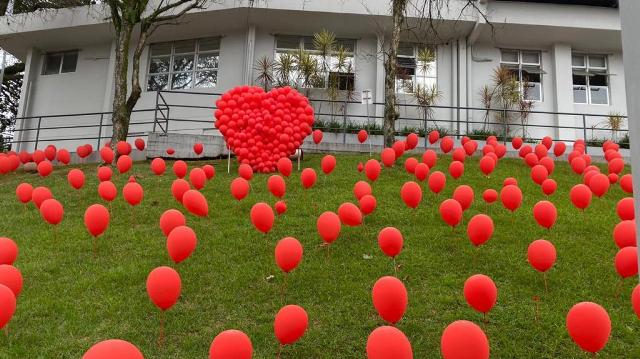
{"x":113,"y":348}
{"x":75,"y":177}
{"x":411,"y":141}
{"x":163,"y":287}
{"x":578,"y":165}
{"x":180,"y":168}
{"x":434,"y":136}
{"x":195,"y":203}
{"x":181,"y":242}
{"x":624,"y":234}
{"x":411,"y":194}
{"x":464,"y":340}
{"x":197,"y":177}
{"x":350,"y":214}
{"x":209,"y":171}
{"x":123,"y":148}
{"x":531,"y":159}
{"x":372,"y":170}
{"x":231,"y":344}
{"x":511,"y":197}
{"x":39,"y":195}
{"x":559,"y":148}
{"x":388,"y":157}
{"x":626,"y":183}
{"x":290,"y":324}
{"x":50,"y":152}
{"x":198,"y":148}
{"x":328,"y":226}
{"x":589,"y":326}
{"x":421,"y":171}
{"x":599,"y":184}
{"x":328,"y":164}
{"x":388,"y":342}
{"x":288,"y":254}
{"x":285,"y":166}
{"x":626,"y":262}
{"x":367,"y":204}
{"x":451,"y":212}
{"x":516,"y":142}
{"x":281,"y":207}
{"x":635,"y":300}
{"x":104,"y":173}
{"x":616,"y":165}
{"x":107,"y":191}
{"x":171,"y":219}
{"x":456,"y":169}
{"x":52,"y":211}
{"x":245,"y":171}
{"x":480,"y":229}
{"x":549,"y":186}
{"x":464,"y":195}
{"x":239,"y":188}
{"x":398,"y":148}
{"x":360,"y":167}
{"x":470,"y":147}
{"x":7,"y":305}
{"x":64,"y":156}
{"x":8,"y":251}
{"x":625,"y":209}
{"x":24,"y":192}
{"x":308,"y":178}
{"x":541,"y":254}
{"x":170,"y":151}
{"x":539,"y":173}
{"x":613,"y":178}
{"x":390,"y":298}
{"x":124,"y":163}
{"x":410,"y":164}
{"x":106,"y":153}
{"x":545,"y":214}
{"x":139,"y":143}
{"x":96,"y":219}
{"x":459,"y":154}
{"x":430,"y":158}
{"x":480,"y":292}
{"x":361,"y":188}
{"x":276,"y":186}
{"x":158,"y":166}
{"x":132,"y":193}
{"x":11,"y":277}
{"x":390,"y":241}
{"x":362,"y":136}
{"x":262,"y":217}
{"x":490,"y":196}
{"x":446,"y":145}
{"x":317,"y":136}
{"x":45,"y":168}
{"x":487,"y":165}
{"x":437,"y":181}
{"x":580,"y":196}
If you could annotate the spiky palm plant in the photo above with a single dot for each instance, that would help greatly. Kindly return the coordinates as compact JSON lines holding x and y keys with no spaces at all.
{"x":506,"y":94}
{"x":426,"y":97}
{"x":265,"y":72}
{"x":486,"y":97}
{"x":285,"y":68}
{"x":614,"y":122}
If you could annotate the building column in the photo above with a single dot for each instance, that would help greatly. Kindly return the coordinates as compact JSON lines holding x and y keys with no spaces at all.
{"x":249,"y":54}
{"x":378,"y":94}
{"x":562,"y":82}
{"x":25,"y":92}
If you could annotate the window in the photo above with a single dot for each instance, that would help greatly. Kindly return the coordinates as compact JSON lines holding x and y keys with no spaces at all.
{"x":184,"y":64}
{"x":590,"y":79}
{"x":301,"y":64}
{"x":60,"y":62}
{"x":527,"y":69}
{"x":416,"y":67}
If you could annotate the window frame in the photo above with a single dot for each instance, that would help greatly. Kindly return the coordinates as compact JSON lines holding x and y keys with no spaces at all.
{"x":194,"y":71}
{"x":301,"y":39}
{"x":521,"y":66}
{"x":400,"y":90}
{"x":62,"y":54}
{"x":586,"y":60}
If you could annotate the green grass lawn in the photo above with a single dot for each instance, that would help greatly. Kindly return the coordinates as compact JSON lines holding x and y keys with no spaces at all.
{"x":72,"y":300}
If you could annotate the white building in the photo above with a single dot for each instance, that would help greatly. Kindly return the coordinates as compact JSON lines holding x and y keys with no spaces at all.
{"x":570,"y":54}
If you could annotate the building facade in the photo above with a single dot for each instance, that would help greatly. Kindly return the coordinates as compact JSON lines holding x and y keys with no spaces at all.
{"x":566,"y":58}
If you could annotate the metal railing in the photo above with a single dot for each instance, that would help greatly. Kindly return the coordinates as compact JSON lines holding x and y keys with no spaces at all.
{"x":350,"y":117}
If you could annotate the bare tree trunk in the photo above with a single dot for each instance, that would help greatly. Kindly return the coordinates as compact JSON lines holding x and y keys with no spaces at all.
{"x":390,"y":101}
{"x":121,"y":113}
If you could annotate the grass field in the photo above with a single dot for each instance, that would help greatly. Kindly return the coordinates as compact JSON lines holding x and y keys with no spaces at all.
{"x":72,"y":300}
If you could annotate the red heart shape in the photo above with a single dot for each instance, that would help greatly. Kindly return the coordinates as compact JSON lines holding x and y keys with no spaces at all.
{"x":262,"y":127}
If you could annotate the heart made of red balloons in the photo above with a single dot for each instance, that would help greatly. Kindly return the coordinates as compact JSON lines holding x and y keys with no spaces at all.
{"x":262,"y":127}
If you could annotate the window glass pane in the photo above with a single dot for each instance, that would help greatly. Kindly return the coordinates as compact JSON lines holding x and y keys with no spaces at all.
{"x":207,"y":61}
{"x":206,"y":79}
{"x":183,"y":63}
{"x":530,"y":77}
{"x":157,"y":82}
{"x":530,"y":57}
{"x":579,"y":80}
{"x":181,"y":80}
{"x":598,"y":80}
{"x":405,"y":49}
{"x":181,"y":47}
{"x":577,"y":60}
{"x":159,"y":64}
{"x":579,"y":94}
{"x":288,"y":42}
{"x":69,"y":62}
{"x":348,"y":45}
{"x":404,"y":84}
{"x":209,"y":44}
{"x":533,"y":91}
{"x":509,"y":56}
{"x":597,"y":61}
{"x":307,"y":44}
{"x":599,"y":95}
{"x":163,"y":48}
{"x":52,"y":64}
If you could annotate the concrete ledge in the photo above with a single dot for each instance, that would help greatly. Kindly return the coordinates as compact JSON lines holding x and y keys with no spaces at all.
{"x":157,"y":144}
